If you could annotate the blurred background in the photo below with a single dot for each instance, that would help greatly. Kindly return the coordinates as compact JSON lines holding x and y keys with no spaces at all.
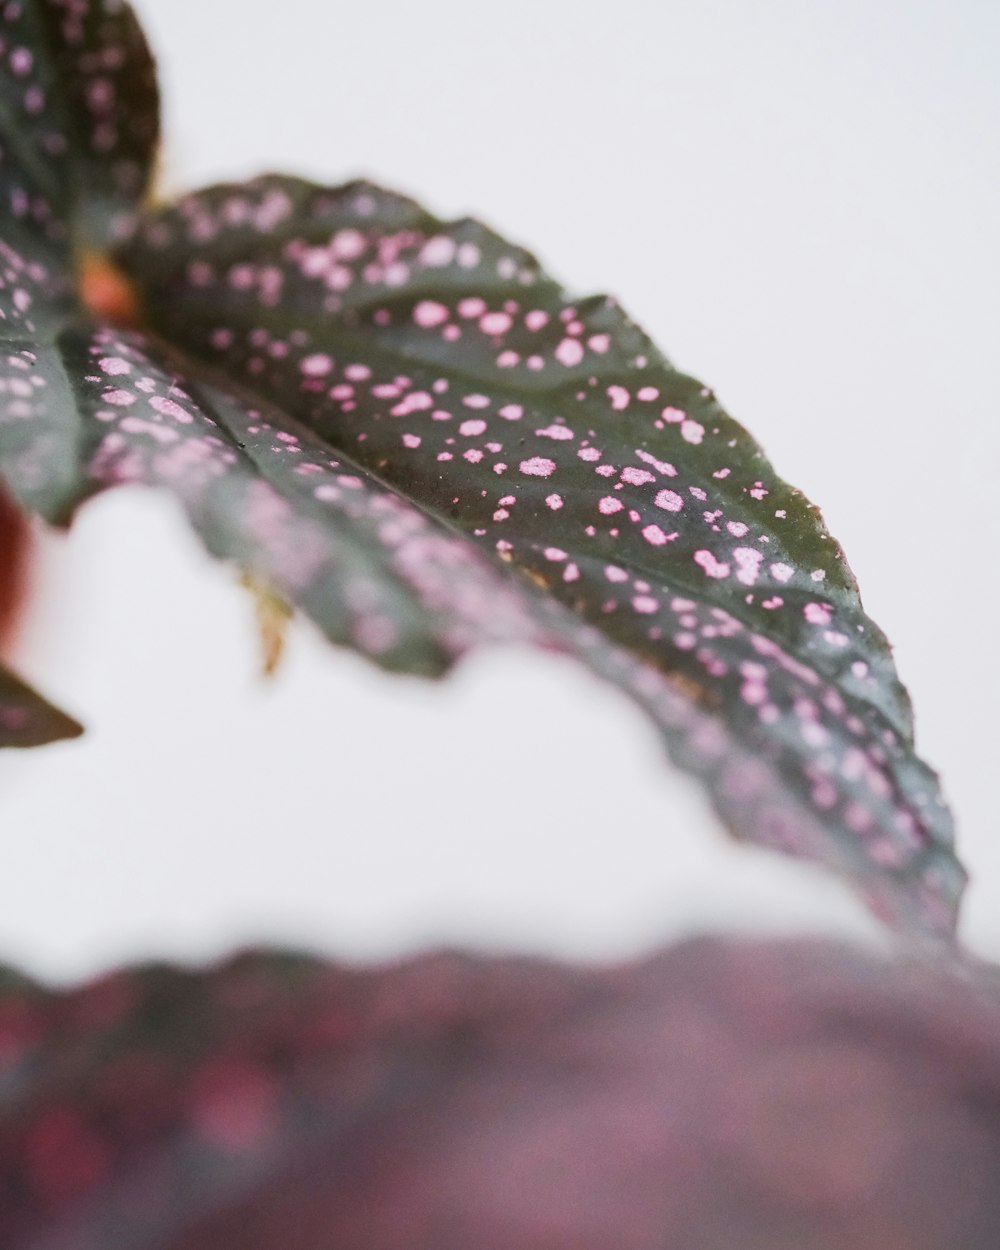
{"x":799,"y":200}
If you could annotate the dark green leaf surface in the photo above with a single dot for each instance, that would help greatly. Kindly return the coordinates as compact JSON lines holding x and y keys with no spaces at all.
{"x":716,"y":1096}
{"x":79,"y":120}
{"x":556,"y":438}
{"x":26,"y":719}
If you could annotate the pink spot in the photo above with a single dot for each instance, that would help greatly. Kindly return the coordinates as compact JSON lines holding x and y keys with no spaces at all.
{"x":673,"y":415}
{"x":430,"y":313}
{"x":748,"y":564}
{"x":712,"y":567}
{"x":647,"y":394}
{"x":473,"y":455}
{"x":495,"y":323}
{"x":438,"y":251}
{"x":653,"y":534}
{"x":472,"y":427}
{"x":614,"y":574}
{"x":589,"y":453}
{"x":781,"y":572}
{"x":169,"y":408}
{"x":736,"y":528}
{"x":661,"y":466}
{"x":569,"y":352}
{"x":537,"y":466}
{"x":416,"y":401}
{"x":669,"y":501}
{"x":599,"y":343}
{"x":536,"y":319}
{"x":605,"y":470}
{"x":645,"y":604}
{"x":758,"y":492}
{"x":692,"y":431}
{"x":411,"y":440}
{"x":817,"y":613}
{"x":555,"y":502}
{"x":554,"y":553}
{"x":558,"y":432}
{"x":619,"y":397}
{"x":357,"y":373}
{"x":609,"y":505}
{"x":118,"y":399}
{"x":512,"y":412}
{"x":115,"y":364}
{"x":233,"y":1103}
{"x":637,"y":477}
{"x":472,"y":306}
{"x":317,"y":365}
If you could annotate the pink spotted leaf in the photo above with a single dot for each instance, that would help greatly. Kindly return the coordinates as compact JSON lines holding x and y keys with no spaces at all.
{"x":716,"y":1096}
{"x":414,"y":435}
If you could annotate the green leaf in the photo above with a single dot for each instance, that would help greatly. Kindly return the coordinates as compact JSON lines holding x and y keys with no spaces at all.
{"x":79,"y":121}
{"x":556,"y":438}
{"x":717,"y":1094}
{"x":28,"y":720}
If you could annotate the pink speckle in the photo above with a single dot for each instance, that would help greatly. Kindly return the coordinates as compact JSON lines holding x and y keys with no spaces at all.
{"x":473,"y":455}
{"x":437,"y":251}
{"x":692,"y":431}
{"x":495,"y":323}
{"x":471,"y":306}
{"x":669,"y":501}
{"x":605,"y":470}
{"x":748,"y":563}
{"x":21,"y":62}
{"x":758,"y":492}
{"x":609,"y":505}
{"x":170,"y":408}
{"x":537,"y":466}
{"x":781,"y":572}
{"x":637,"y":477}
{"x":599,"y":343}
{"x":536,"y":319}
{"x":647,"y":394}
{"x":115,"y":365}
{"x":571,"y":573}
{"x":316,"y":366}
{"x":711,"y":566}
{"x":619,"y":397}
{"x":674,"y":415}
{"x":653,"y":534}
{"x":817,"y":613}
{"x":736,"y":528}
{"x":589,"y":453}
{"x":233,"y":1103}
{"x":357,"y":373}
{"x":429,"y":313}
{"x":558,"y":432}
{"x":118,"y":399}
{"x":555,"y":553}
{"x":512,"y":412}
{"x":645,"y":604}
{"x":411,"y":440}
{"x":661,"y":466}
{"x":614,"y":574}
{"x":555,"y":502}
{"x":472,"y":427}
{"x":569,"y":352}
{"x":416,"y":401}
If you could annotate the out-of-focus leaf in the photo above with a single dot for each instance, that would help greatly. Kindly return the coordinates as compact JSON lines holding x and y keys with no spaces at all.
{"x":714,"y":1097}
{"x":556,"y":438}
{"x":26,"y":719}
{"x":79,"y":121}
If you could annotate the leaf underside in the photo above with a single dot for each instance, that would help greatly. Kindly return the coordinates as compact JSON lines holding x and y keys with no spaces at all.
{"x":414,"y":435}
{"x":717,"y":1096}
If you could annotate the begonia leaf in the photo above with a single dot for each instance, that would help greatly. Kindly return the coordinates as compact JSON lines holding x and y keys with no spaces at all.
{"x":717,"y":1096}
{"x":408,"y":430}
{"x":28,"y":720}
{"x":557,"y":439}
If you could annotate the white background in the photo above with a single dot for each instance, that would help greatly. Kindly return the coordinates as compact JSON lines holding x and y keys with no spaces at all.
{"x":800,"y":201}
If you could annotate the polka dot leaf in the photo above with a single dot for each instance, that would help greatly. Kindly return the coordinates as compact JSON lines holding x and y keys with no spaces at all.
{"x":407,"y":430}
{"x":714,"y":1094}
